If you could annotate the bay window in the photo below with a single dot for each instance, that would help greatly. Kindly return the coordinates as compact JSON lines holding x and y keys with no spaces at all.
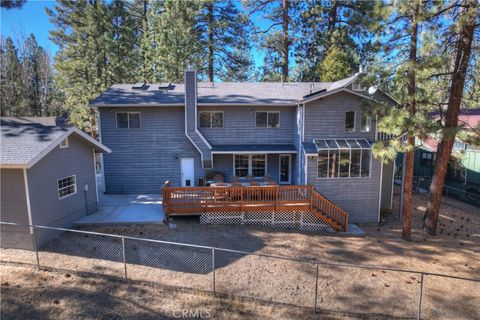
{"x":343,"y":158}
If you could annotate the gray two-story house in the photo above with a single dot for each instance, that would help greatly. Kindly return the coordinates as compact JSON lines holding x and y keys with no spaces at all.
{"x":297,"y":133}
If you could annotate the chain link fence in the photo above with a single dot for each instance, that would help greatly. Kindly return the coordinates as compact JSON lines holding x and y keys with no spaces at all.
{"x":319,"y":286}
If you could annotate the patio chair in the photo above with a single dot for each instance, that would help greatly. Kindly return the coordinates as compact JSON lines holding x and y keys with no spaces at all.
{"x":236,"y":183}
{"x":254,"y":183}
{"x":270,"y":183}
{"x":234,"y":178}
{"x":267,"y":177}
{"x":250,"y":178}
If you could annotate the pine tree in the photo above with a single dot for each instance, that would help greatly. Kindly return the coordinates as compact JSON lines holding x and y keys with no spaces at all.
{"x":341,"y":28}
{"x":467,"y":21}
{"x":276,"y":38}
{"x":225,"y":36}
{"x":177,"y":40}
{"x":10,"y":79}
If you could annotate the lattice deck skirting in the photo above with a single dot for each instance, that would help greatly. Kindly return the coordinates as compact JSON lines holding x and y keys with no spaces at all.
{"x":303,"y":220}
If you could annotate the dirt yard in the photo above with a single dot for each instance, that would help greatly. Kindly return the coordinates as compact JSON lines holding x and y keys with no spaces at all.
{"x":342,"y":291}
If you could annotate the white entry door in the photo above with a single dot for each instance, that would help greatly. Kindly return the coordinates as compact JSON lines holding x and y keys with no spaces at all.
{"x":285,"y":167}
{"x":187,"y":172}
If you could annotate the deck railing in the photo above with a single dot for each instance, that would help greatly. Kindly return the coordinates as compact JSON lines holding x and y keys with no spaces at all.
{"x":198,"y":200}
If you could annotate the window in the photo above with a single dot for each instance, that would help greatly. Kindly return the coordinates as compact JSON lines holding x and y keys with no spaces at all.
{"x":270,"y":119}
{"x":426,"y":159}
{"x":211,"y":119}
{"x":366,"y":122}
{"x":241,"y":165}
{"x":64,"y":143}
{"x":66,"y":187}
{"x":258,"y":165}
{"x":350,"y":121}
{"x":343,"y":158}
{"x":250,"y":164}
{"x":128,"y":120}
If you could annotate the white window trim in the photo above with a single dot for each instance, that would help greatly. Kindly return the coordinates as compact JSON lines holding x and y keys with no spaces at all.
{"x":250,"y":168}
{"x":289,"y":168}
{"x":74,"y":185}
{"x":349,"y":166}
{"x":64,"y":145}
{"x":211,"y":119}
{"x":354,"y":121}
{"x":128,"y":119}
{"x":369,"y":122}
{"x":267,"y":112}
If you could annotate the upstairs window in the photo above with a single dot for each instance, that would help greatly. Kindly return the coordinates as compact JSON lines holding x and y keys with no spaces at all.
{"x":66,"y":187}
{"x":211,"y":119}
{"x":350,"y":121}
{"x":128,"y":120}
{"x":426,"y":160}
{"x":64,"y":143}
{"x":270,"y":119}
{"x":366,"y":122}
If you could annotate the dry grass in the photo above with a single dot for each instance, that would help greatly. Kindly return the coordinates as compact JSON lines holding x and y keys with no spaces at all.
{"x":454,"y":251}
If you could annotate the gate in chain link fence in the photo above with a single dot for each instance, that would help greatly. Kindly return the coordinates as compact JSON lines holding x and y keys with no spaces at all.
{"x":320,"y":286}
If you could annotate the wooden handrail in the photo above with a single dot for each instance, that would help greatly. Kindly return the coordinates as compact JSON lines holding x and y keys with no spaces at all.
{"x":240,"y":198}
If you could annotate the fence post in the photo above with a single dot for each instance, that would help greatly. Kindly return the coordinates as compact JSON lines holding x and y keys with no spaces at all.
{"x":34,"y":235}
{"x":316,"y":293}
{"x":124,"y":259}
{"x":420,"y":298}
{"x":213,"y":270}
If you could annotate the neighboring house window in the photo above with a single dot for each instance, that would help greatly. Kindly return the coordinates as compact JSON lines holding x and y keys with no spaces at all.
{"x":350,"y":121}
{"x":250,"y":164}
{"x":267,"y":119}
{"x":128,"y":120}
{"x":211,"y":119}
{"x":344,"y":159}
{"x":64,"y":143}
{"x":66,"y":186}
{"x":366,"y":122}
{"x":426,"y":160}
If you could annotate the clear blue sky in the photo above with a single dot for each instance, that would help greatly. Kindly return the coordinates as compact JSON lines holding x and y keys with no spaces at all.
{"x":32,"y":18}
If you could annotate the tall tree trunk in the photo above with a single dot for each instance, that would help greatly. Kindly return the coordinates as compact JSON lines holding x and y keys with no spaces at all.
{"x":411,"y":107}
{"x":211,"y":41}
{"x":444,"y":150}
{"x":286,"y":40}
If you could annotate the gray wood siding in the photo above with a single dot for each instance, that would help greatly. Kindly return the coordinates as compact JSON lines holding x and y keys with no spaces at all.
{"x":13,"y":208}
{"x":239,"y":126}
{"x":325,"y":118}
{"x":143,"y":159}
{"x":47,"y":208}
{"x":357,"y":196}
{"x":13,"y":198}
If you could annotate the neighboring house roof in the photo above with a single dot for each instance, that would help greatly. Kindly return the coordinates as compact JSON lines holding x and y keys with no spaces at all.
{"x":26,"y":140}
{"x":469,"y":118}
{"x":252,"y":148}
{"x":222,"y":93}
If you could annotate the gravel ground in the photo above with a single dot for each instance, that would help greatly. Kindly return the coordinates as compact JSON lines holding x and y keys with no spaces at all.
{"x":455,"y":251}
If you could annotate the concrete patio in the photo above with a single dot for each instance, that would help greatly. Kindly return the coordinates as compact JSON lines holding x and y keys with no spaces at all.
{"x":126,"y":209}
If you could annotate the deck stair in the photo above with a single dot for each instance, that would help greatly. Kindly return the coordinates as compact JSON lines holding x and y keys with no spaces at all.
{"x":201,"y":200}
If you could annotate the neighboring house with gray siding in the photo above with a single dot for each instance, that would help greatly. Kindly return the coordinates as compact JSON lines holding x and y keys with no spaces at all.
{"x":298,"y":133}
{"x":47,"y":173}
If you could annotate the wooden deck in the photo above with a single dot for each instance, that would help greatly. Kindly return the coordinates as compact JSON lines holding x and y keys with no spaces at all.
{"x":198,"y":200}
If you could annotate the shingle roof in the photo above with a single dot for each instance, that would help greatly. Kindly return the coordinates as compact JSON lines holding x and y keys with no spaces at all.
{"x":24,"y":140}
{"x":218,"y":93}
